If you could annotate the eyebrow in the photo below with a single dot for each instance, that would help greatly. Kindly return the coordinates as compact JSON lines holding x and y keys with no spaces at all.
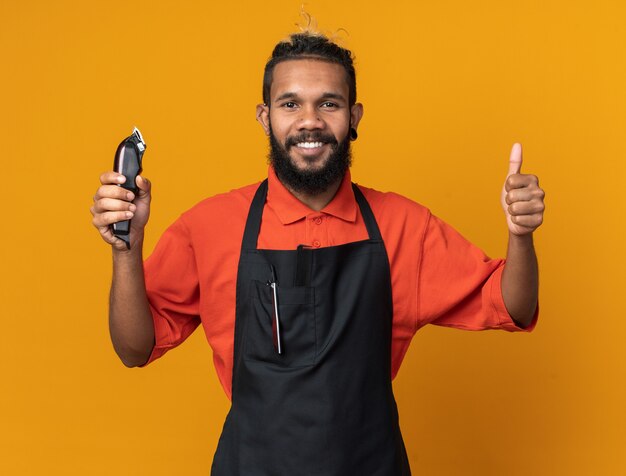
{"x":326,"y":95}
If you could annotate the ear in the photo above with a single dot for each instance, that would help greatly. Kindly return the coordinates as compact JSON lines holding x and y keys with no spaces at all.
{"x":356,"y":113}
{"x":263,"y":117}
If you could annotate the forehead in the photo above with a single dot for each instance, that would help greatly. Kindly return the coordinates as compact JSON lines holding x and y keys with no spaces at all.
{"x":309,"y":77}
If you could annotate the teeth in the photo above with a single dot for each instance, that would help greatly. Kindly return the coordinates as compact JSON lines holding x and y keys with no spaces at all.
{"x":309,"y":145}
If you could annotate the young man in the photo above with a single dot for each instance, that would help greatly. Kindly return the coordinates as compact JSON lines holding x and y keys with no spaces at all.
{"x":309,"y":288}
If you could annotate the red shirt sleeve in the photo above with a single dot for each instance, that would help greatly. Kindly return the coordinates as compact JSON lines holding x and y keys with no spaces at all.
{"x":458,"y":285}
{"x":172,"y":287}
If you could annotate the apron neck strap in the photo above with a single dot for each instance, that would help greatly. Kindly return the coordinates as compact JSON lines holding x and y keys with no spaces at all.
{"x":368,"y":216}
{"x":253,"y":223}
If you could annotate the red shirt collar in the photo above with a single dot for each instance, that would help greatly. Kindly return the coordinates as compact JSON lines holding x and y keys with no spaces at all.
{"x":289,"y":209}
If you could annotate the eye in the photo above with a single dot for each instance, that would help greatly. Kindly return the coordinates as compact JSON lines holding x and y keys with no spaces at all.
{"x":329,"y":105}
{"x":289,"y":105}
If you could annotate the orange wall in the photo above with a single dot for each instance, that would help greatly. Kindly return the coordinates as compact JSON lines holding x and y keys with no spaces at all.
{"x":448,"y":86}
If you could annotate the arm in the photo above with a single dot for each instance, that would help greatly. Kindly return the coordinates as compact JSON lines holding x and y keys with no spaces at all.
{"x":130,"y":319}
{"x":520,"y":279}
{"x":523,"y":204}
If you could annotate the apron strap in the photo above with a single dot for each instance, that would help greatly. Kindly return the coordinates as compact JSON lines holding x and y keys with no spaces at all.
{"x":368,"y":216}
{"x":253,"y":223}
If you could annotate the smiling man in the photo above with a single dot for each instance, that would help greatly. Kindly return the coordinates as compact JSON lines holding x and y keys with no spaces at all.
{"x":310,"y":115}
{"x":310,"y":288}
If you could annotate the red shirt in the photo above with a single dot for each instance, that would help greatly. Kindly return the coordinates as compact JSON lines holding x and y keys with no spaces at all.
{"x":437,"y":276}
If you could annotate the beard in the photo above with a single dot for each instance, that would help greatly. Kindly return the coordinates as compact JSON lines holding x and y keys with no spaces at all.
{"x":310,"y":182}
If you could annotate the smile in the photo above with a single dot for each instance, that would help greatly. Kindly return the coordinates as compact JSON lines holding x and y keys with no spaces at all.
{"x":309,"y":145}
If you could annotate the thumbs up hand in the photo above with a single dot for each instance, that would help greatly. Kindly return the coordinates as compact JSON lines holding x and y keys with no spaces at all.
{"x":522,"y":199}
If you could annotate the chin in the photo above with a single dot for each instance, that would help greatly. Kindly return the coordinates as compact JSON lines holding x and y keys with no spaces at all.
{"x":308,"y":163}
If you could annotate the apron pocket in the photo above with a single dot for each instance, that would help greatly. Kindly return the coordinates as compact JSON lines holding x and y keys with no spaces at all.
{"x":296,"y":324}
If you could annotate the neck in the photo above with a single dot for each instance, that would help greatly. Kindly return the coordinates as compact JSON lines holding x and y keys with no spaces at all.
{"x":319,"y":201}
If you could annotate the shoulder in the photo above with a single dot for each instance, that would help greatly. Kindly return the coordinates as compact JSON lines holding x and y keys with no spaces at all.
{"x":224,"y":212}
{"x":393,"y":206}
{"x":223,"y":207}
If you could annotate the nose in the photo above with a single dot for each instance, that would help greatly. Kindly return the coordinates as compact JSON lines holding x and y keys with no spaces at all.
{"x":310,"y":119}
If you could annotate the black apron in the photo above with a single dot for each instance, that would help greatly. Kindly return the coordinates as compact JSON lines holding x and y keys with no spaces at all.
{"x":324,"y":406}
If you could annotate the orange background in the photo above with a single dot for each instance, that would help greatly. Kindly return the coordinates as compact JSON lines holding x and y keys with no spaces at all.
{"x":447,"y":86}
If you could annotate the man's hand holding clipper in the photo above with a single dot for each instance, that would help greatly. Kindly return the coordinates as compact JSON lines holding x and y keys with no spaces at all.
{"x":114,"y":204}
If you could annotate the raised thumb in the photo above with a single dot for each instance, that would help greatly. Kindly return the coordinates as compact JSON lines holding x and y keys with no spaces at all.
{"x":515,"y":160}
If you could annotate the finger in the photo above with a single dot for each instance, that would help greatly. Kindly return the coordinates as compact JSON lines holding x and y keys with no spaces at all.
{"x":111,"y":178}
{"x":110,"y":238}
{"x":144,"y":185}
{"x":111,"y":204}
{"x":524,"y":194}
{"x":113,"y":191}
{"x":108,"y":218}
{"x":515,"y":159}
{"x":107,"y":234}
{"x":521,"y":181}
{"x":526,"y":208}
{"x":528,"y":221}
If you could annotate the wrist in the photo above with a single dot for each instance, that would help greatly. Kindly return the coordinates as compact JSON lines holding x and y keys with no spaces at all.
{"x":135,"y":251}
{"x":525,"y":240}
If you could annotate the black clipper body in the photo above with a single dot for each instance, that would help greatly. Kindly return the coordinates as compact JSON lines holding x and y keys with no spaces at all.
{"x":128,"y":163}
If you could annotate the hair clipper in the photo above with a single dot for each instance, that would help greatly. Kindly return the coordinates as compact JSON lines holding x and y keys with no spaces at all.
{"x":128,"y":163}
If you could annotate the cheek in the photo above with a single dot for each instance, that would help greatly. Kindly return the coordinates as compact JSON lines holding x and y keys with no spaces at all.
{"x":340,"y":126}
{"x":279,"y":127}
{"x":341,"y":131}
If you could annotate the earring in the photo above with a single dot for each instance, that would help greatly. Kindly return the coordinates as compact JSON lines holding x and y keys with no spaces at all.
{"x":353,"y":134}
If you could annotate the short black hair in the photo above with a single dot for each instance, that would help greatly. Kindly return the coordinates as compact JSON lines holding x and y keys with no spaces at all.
{"x":308,"y":45}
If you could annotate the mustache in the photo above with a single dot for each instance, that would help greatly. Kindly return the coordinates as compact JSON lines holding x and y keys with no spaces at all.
{"x":311,"y":137}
